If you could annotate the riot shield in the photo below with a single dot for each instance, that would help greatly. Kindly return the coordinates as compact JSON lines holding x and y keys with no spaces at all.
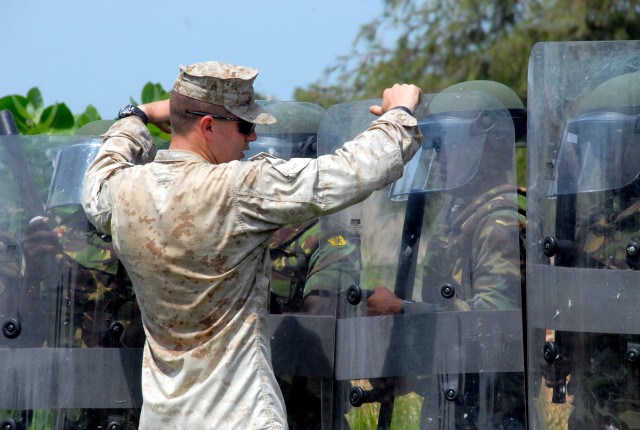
{"x":431,"y":337}
{"x":66,"y":304}
{"x":582,"y":281}
{"x":71,"y":355}
{"x":310,"y":262}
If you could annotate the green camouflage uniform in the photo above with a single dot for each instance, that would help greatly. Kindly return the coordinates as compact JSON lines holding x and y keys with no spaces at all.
{"x":473,"y":251}
{"x":94,"y":285}
{"x":97,"y":304}
{"x":314,"y":258}
{"x":602,"y":378}
{"x":476,"y":242}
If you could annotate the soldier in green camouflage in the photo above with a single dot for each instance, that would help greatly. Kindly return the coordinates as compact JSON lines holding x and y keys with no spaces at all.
{"x":95,"y":302}
{"x":485,"y":223}
{"x":599,"y":373}
{"x":307,"y":260}
{"x":598,"y":170}
{"x":97,"y":299}
{"x":311,"y":262}
{"x":474,"y":258}
{"x":75,"y":280}
{"x":486,"y":280}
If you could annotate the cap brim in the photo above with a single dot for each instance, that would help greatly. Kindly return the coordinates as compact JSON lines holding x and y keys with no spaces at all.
{"x":253,"y":113}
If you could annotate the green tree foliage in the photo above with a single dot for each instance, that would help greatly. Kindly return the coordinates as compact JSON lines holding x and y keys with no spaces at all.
{"x":33,"y":117}
{"x":437,"y":43}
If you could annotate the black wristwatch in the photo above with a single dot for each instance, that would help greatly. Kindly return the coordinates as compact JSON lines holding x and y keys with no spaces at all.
{"x":129,"y":110}
{"x":403,"y":108}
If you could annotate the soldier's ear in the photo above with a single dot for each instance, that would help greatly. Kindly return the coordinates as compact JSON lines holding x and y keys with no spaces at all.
{"x":205,"y":124}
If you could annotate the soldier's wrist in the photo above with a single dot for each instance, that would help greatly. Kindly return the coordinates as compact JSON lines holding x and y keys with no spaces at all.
{"x":403,"y":108}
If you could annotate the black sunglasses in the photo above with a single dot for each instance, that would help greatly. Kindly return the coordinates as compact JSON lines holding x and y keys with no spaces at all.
{"x":244,"y":127}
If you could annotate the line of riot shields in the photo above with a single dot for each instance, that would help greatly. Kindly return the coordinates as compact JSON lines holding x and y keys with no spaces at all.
{"x":454,"y":298}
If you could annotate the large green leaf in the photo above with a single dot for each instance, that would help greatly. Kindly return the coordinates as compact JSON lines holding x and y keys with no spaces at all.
{"x":90,"y":114}
{"x":153,"y":92}
{"x":56,"y":117}
{"x":35,"y":98}
{"x":18,"y":106}
{"x":9,"y":102}
{"x":21,"y":106}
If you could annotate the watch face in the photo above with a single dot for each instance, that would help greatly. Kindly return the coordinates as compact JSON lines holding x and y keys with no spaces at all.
{"x":125,"y":111}
{"x":129,"y":110}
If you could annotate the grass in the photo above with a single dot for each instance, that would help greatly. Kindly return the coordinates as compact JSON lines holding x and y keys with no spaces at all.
{"x":406,"y":412}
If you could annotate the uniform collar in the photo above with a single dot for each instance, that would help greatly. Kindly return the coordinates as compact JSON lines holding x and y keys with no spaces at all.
{"x":178,"y":155}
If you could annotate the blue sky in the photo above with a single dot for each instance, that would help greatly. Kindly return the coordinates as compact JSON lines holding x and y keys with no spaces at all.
{"x":102,"y":52}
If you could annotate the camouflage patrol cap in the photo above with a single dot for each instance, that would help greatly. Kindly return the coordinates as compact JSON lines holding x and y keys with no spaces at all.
{"x":225,"y":85}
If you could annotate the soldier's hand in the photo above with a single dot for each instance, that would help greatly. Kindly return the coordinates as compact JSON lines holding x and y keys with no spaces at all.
{"x":406,"y":95}
{"x":158,"y":114}
{"x":39,"y":243}
{"x":383,"y":302}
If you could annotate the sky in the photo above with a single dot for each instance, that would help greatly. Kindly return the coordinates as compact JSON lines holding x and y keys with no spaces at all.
{"x":83,"y":52}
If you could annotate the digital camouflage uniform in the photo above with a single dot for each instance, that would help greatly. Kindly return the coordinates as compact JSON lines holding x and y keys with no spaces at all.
{"x":477,"y":244}
{"x":601,"y":373}
{"x":313,"y":258}
{"x":194,"y":238}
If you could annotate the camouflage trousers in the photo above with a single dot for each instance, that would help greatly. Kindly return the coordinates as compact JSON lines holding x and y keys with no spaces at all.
{"x":605,"y":405}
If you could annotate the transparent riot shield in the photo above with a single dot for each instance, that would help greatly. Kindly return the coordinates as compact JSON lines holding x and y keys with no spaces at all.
{"x":70,"y":346}
{"x":310,"y":262}
{"x":583,"y":323}
{"x":431,"y":337}
{"x":340,"y":124}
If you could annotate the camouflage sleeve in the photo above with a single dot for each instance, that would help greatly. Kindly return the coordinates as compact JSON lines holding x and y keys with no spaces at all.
{"x":495,"y":264}
{"x":126,"y":143}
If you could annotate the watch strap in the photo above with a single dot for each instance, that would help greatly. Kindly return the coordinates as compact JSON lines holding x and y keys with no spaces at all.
{"x":403,"y":108}
{"x":131,"y":110}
